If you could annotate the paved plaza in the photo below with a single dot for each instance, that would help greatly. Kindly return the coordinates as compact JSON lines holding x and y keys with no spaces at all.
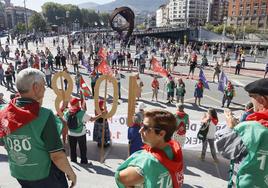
{"x":197,"y":173}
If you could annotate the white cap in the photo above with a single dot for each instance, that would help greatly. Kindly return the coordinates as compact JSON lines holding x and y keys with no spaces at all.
{"x":141,"y":106}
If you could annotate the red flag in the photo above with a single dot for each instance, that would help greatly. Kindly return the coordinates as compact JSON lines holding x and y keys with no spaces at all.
{"x":102,"y":53}
{"x":156,"y":67}
{"x":104,"y":68}
{"x":84,"y":88}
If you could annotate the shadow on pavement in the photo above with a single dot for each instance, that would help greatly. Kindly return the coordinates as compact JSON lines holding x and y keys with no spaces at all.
{"x":96,"y":169}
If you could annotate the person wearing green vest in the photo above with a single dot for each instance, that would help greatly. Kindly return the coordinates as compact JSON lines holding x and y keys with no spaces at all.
{"x":182,"y":122}
{"x":29,"y":132}
{"x":160,"y":164}
{"x":246,"y":145}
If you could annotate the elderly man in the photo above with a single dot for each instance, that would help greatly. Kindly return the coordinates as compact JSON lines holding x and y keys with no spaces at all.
{"x":35,"y":152}
{"x":246,"y":146}
{"x":160,"y":164}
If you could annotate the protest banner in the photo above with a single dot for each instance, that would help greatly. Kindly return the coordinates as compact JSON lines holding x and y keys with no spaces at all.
{"x":118,"y":127}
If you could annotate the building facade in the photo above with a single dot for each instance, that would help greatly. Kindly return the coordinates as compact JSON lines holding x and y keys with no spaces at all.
{"x":248,"y":12}
{"x":217,"y":11}
{"x":12,"y":15}
{"x":162,"y":16}
{"x":178,"y":12}
{"x":184,"y":13}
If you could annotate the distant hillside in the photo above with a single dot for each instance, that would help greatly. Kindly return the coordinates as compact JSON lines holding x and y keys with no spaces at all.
{"x":89,"y":5}
{"x":136,"y":5}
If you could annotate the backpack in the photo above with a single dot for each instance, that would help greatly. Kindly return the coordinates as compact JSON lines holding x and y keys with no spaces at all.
{"x":203,"y":131}
{"x":72,"y":121}
{"x":172,"y":84}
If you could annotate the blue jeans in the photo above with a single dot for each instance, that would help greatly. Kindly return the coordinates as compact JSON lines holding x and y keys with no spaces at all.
{"x":55,"y":179}
{"x":119,"y":89}
{"x":48,"y":80}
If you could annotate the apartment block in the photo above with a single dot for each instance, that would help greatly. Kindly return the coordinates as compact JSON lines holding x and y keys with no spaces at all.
{"x":248,"y":12}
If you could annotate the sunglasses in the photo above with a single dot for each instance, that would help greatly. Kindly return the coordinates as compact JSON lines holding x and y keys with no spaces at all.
{"x":148,"y":128}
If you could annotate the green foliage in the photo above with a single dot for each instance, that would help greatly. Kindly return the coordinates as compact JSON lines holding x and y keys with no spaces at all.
{"x":141,"y":27}
{"x":250,"y":29}
{"x":86,"y":17}
{"x":37,"y":22}
{"x":2,"y":7}
{"x":218,"y":29}
{"x":209,"y":27}
{"x":89,"y":17}
{"x":104,"y":17}
{"x":230,"y":29}
{"x":20,"y":28}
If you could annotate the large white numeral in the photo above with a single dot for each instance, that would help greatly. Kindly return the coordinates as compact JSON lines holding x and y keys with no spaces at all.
{"x":9,"y":143}
{"x":26,"y":145}
{"x":162,"y":180}
{"x":18,"y":146}
{"x":262,"y":158}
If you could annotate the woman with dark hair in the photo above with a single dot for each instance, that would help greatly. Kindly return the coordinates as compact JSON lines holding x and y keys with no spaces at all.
{"x":98,"y":124}
{"x":210,"y":118}
{"x":198,"y":91}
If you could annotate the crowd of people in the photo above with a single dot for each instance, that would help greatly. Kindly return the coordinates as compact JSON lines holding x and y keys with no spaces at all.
{"x":156,"y":137}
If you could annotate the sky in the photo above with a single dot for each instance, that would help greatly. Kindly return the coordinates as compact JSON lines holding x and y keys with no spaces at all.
{"x":36,"y":4}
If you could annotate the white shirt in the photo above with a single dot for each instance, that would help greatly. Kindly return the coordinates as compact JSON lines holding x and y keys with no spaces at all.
{"x":85,"y":119}
{"x":211,"y":130}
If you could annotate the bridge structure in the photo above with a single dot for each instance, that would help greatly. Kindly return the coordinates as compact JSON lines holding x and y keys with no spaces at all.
{"x":199,"y":35}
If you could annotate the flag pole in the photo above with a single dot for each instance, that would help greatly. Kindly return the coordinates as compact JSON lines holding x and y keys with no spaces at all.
{"x":104,"y":123}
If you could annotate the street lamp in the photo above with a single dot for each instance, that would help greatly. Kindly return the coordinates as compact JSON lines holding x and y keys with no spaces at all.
{"x":244,"y":31}
{"x":67,"y":15}
{"x":224,"y":27}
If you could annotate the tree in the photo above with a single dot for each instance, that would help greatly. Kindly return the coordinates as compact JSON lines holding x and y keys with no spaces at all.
{"x":250,"y":29}
{"x":37,"y":22}
{"x":218,"y":29}
{"x":20,"y":28}
{"x":209,"y":26}
{"x":104,"y":17}
{"x":51,"y":11}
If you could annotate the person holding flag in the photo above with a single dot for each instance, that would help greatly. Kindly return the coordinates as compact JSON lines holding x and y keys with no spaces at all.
{"x":198,"y":92}
{"x":228,"y":94}
{"x":85,"y":92}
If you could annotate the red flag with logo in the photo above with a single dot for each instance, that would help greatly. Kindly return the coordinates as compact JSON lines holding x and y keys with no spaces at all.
{"x":104,"y":68}
{"x":156,"y":67}
{"x":102,"y":53}
{"x":84,"y":88}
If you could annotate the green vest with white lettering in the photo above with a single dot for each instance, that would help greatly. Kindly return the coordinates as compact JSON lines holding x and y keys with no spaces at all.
{"x":27,"y":155}
{"x":154,"y":173}
{"x":253,"y":171}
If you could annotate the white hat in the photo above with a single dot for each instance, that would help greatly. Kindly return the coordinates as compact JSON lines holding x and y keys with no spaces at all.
{"x":141,"y":106}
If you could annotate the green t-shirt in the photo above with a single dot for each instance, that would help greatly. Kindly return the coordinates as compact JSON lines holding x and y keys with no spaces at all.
{"x":253,"y":170}
{"x":154,"y":173}
{"x":29,"y":147}
{"x":79,"y":116}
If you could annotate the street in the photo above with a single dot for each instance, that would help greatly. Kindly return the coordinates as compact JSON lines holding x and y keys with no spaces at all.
{"x":197,"y":173}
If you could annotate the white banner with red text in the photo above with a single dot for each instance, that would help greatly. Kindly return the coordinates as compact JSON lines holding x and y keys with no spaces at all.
{"x":119,"y":130}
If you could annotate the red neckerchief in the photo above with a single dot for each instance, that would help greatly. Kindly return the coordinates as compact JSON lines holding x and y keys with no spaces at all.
{"x":180,"y":114}
{"x":261,"y":117}
{"x":136,"y":125}
{"x":214,"y":121}
{"x":182,"y":124}
{"x":199,"y":84}
{"x":13,"y":117}
{"x":74,"y":109}
{"x":229,"y":87}
{"x":175,"y":166}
